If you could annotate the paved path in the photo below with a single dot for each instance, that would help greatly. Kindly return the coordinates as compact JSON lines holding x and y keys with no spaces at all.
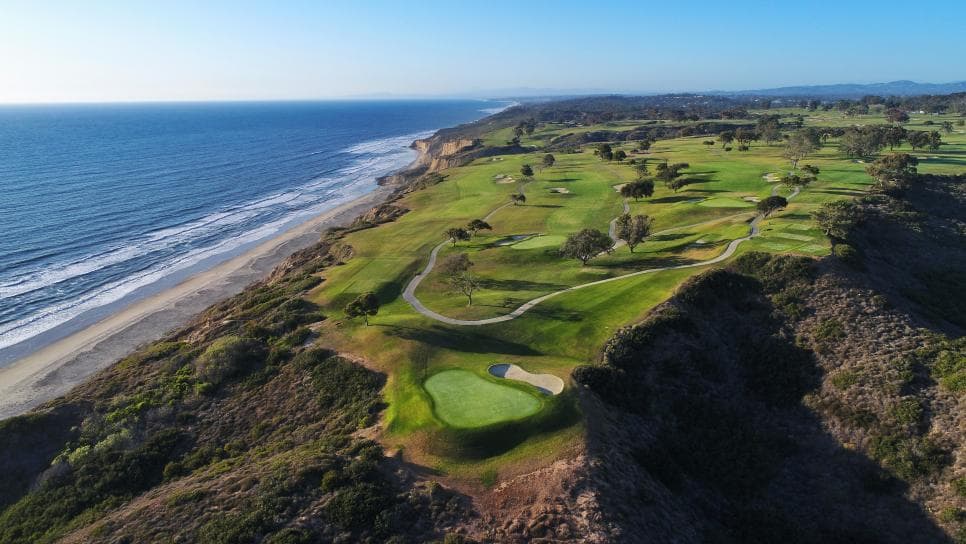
{"x":409,"y":295}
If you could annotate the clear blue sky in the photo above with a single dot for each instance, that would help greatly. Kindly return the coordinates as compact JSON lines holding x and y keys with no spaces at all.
{"x":94,"y":50}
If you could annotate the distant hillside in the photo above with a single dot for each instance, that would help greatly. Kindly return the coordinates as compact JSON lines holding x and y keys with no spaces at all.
{"x":854,"y":90}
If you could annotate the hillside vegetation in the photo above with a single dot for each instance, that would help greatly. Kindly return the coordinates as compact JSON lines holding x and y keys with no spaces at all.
{"x":805,"y":388}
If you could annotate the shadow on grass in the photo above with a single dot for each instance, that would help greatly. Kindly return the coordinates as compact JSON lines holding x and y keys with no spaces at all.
{"x":520,"y":285}
{"x":670,"y":199}
{"x":544,"y":205}
{"x":460,"y":339}
{"x":671,"y":236}
{"x":646,"y":263}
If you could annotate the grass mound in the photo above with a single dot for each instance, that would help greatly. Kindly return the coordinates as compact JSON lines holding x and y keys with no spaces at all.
{"x":464,"y":399}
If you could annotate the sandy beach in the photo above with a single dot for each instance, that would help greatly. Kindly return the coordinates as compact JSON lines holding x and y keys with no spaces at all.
{"x":56,"y":368}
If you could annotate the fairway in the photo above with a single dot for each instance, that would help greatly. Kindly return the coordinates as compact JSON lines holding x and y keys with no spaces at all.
{"x":463,"y":399}
{"x":541,"y":241}
{"x":724,"y":202}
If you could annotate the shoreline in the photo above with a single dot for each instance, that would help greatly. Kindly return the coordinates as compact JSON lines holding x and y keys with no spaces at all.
{"x":54,"y":369}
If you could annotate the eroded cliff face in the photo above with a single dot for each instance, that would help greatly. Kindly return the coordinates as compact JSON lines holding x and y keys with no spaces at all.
{"x":437,"y":153}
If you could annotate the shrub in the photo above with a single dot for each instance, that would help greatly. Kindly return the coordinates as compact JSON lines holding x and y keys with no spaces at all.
{"x":844,"y":379}
{"x":848,"y":255}
{"x":228,"y":357}
{"x":357,"y":506}
{"x":829,"y":329}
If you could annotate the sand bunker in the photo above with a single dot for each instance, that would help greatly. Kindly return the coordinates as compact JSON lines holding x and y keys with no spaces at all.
{"x":619,"y":187}
{"x":547,"y":383}
{"x":503,"y":178}
{"x":772,"y":177}
{"x":751,"y":198}
{"x":560,"y":190}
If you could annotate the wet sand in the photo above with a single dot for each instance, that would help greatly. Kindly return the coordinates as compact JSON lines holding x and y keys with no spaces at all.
{"x":53,"y":370}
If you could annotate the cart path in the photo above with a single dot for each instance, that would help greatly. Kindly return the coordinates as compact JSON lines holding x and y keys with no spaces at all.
{"x":409,"y":295}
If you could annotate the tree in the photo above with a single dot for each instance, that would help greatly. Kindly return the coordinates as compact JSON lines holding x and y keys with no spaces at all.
{"x":935,"y":140}
{"x":744,"y":136}
{"x":620,"y":155}
{"x":641,"y":168}
{"x":769,"y":129}
{"x":363,"y":306}
{"x":633,"y":230}
{"x":457,"y":234}
{"x":548,"y":160}
{"x":669,"y":174}
{"x":894,"y":136}
{"x":918,"y":139}
{"x":810,"y":170}
{"x":642,"y":188}
{"x":477,"y":225}
{"x":726,"y":137}
{"x":456,"y":270}
{"x":947,"y":127}
{"x":605,"y":152}
{"x":518,"y":198}
{"x":644,"y":145}
{"x":836,"y":218}
{"x":771,"y":204}
{"x":794,"y":180}
{"x":526,"y":171}
{"x":895,"y":115}
{"x":586,"y":244}
{"x":892,"y":172}
{"x":454,"y":264}
{"x":798,"y":146}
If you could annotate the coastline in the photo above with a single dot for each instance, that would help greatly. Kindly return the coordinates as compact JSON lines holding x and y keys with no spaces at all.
{"x":53,"y":370}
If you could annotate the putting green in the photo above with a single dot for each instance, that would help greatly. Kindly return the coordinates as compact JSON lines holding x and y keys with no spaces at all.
{"x":725,"y":202}
{"x":463,"y":399}
{"x":540,"y":241}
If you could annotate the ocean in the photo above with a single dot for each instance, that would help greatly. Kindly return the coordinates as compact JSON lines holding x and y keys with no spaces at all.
{"x":101,"y":205}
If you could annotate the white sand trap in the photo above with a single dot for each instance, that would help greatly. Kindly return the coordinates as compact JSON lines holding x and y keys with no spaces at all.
{"x":548,"y":383}
{"x":620,"y":186}
{"x":560,"y":190}
{"x":772,"y":177}
{"x":505,"y":179}
{"x":751,"y":198}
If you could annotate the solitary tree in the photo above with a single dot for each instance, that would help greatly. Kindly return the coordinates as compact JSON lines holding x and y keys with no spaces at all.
{"x":605,"y":152}
{"x":586,"y":244}
{"x":457,"y":234}
{"x":644,"y":145}
{"x":363,"y":306}
{"x":620,"y":155}
{"x":726,"y":137}
{"x":642,"y":188}
{"x":526,"y":171}
{"x":518,"y":198}
{"x":896,"y":115}
{"x":771,"y":204}
{"x":641,"y":168}
{"x":836,"y":218}
{"x":548,"y":160}
{"x":799,"y":146}
{"x":947,"y":127}
{"x":477,"y":225}
{"x":633,"y":230}
{"x":769,"y":129}
{"x":456,"y":270}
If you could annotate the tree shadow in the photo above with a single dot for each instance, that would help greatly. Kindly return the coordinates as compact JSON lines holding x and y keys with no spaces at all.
{"x":544,"y":205}
{"x":459,"y":339}
{"x":520,"y":285}
{"x":670,"y":236}
{"x":670,"y":199}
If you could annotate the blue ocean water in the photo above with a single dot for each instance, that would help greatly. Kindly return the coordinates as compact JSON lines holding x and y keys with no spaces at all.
{"x":100,"y":202}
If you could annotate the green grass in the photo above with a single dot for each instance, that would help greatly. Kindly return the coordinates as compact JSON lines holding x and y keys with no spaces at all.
{"x":463,"y":399}
{"x":571,"y":328}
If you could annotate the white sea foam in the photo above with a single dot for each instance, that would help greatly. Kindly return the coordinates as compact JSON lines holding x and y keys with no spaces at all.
{"x":376,"y":158}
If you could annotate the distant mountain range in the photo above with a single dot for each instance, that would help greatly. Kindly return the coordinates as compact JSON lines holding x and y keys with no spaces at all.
{"x":853,"y":90}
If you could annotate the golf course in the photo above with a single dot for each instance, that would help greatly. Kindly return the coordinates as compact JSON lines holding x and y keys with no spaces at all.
{"x":532,"y":307}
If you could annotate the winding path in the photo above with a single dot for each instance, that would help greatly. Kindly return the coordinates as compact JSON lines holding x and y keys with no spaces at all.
{"x":409,"y":295}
